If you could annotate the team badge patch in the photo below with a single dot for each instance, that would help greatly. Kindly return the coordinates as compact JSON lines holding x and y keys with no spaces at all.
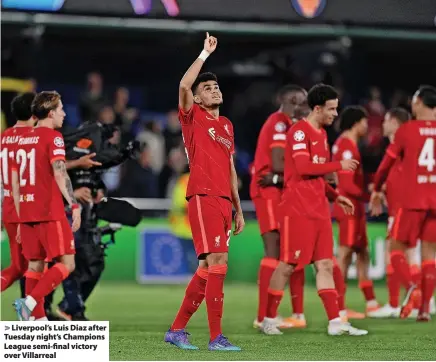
{"x":299,"y":136}
{"x":59,"y":142}
{"x":347,"y":155}
{"x":309,"y":8}
{"x":280,"y":127}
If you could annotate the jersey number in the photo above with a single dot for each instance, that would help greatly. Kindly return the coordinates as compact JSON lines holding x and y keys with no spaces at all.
{"x":24,"y":160}
{"x":427,"y":156}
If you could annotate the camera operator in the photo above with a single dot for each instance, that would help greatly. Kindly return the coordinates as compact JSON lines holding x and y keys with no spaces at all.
{"x":99,"y":140}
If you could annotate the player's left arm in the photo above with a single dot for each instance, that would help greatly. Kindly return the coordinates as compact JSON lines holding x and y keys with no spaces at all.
{"x":239,"y":217}
{"x":344,"y":202}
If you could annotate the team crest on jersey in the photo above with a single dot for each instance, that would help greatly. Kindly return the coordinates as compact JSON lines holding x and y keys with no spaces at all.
{"x":59,"y":142}
{"x":280,"y":127}
{"x":299,"y":136}
{"x":309,"y":8}
{"x":226,"y":127}
{"x":347,"y":155}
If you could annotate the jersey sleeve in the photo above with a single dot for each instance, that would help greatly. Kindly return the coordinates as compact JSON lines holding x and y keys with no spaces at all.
{"x":299,"y":144}
{"x":232,"y":137}
{"x":388,"y":161}
{"x":278,"y":131}
{"x":187,"y":117}
{"x":56,"y":147}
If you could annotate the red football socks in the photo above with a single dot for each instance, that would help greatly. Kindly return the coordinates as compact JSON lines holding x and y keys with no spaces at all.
{"x":415,"y":273}
{"x":266,"y":270}
{"x":274,"y":299}
{"x":427,"y":284}
{"x":296,"y":284}
{"x":394,"y":286}
{"x":49,"y":281}
{"x":367,"y":288}
{"x":8,"y":276}
{"x":32,"y":279}
{"x":340,"y":285}
{"x":401,"y":268}
{"x":329,"y":298}
{"x":194,"y":295}
{"x":215,"y":298}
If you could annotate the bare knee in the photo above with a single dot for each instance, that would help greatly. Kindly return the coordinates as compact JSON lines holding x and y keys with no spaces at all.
{"x":217,"y":259}
{"x":428,"y":251}
{"x":324,"y":266}
{"x":285,"y":269}
{"x":271,"y":243}
{"x":36,"y":266}
{"x":68,"y":262}
{"x":345,"y":253}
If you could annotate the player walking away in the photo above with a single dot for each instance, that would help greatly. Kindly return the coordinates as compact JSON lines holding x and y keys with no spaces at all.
{"x":212,"y":187}
{"x":21,"y":110}
{"x":39,"y":180}
{"x":265,"y":191}
{"x":305,"y":208}
{"x":415,"y":145}
{"x":352,"y":228}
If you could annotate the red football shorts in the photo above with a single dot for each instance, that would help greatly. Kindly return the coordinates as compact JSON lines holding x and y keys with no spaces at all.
{"x":352,"y":232}
{"x":304,"y":241}
{"x":47,"y":240}
{"x":211,"y":224}
{"x":411,"y":225}
{"x":17,"y":257}
{"x":267,"y":214}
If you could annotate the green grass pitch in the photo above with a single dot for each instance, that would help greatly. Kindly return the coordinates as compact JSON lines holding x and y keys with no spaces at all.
{"x":139,"y":315}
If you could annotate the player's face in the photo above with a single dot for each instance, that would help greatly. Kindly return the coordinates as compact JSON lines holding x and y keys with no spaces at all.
{"x":389,"y":125}
{"x":58,"y":115}
{"x":363,"y":127}
{"x":295,"y":105}
{"x":208,"y":94}
{"x":328,"y":112}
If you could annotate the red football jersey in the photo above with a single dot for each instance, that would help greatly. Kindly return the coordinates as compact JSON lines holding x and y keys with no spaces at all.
{"x":351,"y":184}
{"x":40,"y":197}
{"x":209,"y":145}
{"x":306,"y":157}
{"x":415,"y":145}
{"x":272,"y":134}
{"x":9,"y":141}
{"x":394,"y":187}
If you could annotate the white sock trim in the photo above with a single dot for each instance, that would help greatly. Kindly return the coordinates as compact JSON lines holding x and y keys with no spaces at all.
{"x":30,"y":302}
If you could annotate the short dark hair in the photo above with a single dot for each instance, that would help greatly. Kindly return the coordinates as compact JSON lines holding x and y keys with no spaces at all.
{"x":21,"y":106}
{"x":288,"y":88}
{"x":319,"y":94}
{"x":427,"y":94}
{"x":45,"y":102}
{"x":203,"y":77}
{"x":400,"y":114}
{"x":350,"y":116}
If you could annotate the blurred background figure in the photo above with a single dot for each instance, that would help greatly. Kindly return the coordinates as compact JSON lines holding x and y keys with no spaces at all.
{"x":92,"y":99}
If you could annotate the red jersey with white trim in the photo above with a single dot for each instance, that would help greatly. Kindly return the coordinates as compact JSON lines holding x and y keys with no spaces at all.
{"x":306,"y":163}
{"x":394,"y":187}
{"x":9,"y":141}
{"x":415,"y":146}
{"x":209,"y":145}
{"x":40,"y":197}
{"x":351,"y":184}
{"x":272,"y":134}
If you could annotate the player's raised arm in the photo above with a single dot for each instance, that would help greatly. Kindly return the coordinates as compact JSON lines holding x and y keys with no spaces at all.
{"x":186,"y":97}
{"x":239,"y":218}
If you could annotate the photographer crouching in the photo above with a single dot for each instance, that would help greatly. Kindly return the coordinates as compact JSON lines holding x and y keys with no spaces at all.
{"x":96,"y":143}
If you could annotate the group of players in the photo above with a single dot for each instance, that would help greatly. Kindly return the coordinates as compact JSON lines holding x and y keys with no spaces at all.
{"x":35,"y":184}
{"x":291,"y":190}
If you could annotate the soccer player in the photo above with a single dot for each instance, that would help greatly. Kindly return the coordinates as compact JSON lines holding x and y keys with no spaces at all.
{"x":415,"y":145}
{"x":212,"y":188}
{"x":265,"y":191}
{"x":39,"y":180}
{"x":21,"y":110}
{"x":352,"y":228}
{"x":305,"y":227}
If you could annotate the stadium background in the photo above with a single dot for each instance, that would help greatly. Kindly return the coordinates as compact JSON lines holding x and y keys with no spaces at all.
{"x":376,"y":52}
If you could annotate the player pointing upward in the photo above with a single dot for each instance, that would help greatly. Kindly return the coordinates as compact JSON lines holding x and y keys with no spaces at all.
{"x":212,"y":188}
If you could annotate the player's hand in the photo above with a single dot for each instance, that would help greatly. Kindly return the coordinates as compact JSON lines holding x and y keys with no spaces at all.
{"x":210,"y":43}
{"x":76,"y":220}
{"x":349,"y":165}
{"x":99,"y":197}
{"x":266,"y":180}
{"x":345,"y":204}
{"x":83,"y":195}
{"x":239,"y":223}
{"x":18,"y":236}
{"x":86,"y":161}
{"x":376,"y":203}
